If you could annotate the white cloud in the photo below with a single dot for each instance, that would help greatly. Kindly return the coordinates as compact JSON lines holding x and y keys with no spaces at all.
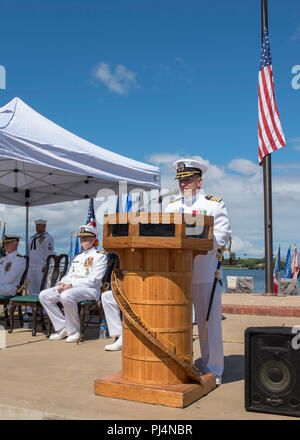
{"x":62,"y":219}
{"x":242,"y":247}
{"x":242,"y":192}
{"x":296,"y":142}
{"x":121,"y":80}
{"x":296,"y":34}
{"x":243,"y":166}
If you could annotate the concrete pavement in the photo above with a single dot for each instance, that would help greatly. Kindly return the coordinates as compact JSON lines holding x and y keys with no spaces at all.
{"x":43,"y":379}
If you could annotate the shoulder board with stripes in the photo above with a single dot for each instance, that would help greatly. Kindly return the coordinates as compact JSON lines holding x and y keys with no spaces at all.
{"x":19,"y":255}
{"x":213,"y":198}
{"x":100,"y":252}
{"x":175,"y":200}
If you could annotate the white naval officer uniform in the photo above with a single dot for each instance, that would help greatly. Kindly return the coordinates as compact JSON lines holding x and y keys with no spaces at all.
{"x":203,"y":277}
{"x":85,"y":274}
{"x":40,"y":247}
{"x":12,"y":267}
{"x":112,"y":314}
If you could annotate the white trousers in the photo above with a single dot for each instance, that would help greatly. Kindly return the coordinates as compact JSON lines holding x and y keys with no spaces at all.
{"x":8,"y":290}
{"x":212,"y":348}
{"x":69,"y":299}
{"x":112,"y":313}
{"x":35,"y":276}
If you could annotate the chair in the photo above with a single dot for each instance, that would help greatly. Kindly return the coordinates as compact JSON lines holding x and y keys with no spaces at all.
{"x":94,"y":306}
{"x":4,"y":300}
{"x":56,"y":267}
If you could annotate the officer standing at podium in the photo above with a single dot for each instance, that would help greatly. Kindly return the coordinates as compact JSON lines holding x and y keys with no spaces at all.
{"x":189,"y":174}
{"x":41,"y":245}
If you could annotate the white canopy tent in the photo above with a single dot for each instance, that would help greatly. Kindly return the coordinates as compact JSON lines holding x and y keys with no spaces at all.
{"x":42,"y":163}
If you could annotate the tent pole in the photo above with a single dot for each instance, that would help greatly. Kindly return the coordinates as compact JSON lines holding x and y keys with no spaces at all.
{"x":26,"y":230}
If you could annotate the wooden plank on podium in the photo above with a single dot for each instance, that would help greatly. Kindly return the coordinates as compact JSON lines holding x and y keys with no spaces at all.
{"x":177,"y":396}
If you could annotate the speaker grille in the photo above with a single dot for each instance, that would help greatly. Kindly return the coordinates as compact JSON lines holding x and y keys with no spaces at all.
{"x":272,"y":371}
{"x":274,"y":376}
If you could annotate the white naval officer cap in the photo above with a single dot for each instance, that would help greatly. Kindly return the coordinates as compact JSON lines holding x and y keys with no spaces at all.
{"x":40,"y":222}
{"x":10,"y":238}
{"x":188,"y":167}
{"x":87,"y":231}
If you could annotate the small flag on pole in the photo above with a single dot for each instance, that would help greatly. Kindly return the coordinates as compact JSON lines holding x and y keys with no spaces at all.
{"x":270,"y":133}
{"x":118,"y":205}
{"x":77,"y":249}
{"x":129,"y":203}
{"x":276,"y":274}
{"x":295,"y":268}
{"x":2,"y":247}
{"x":287,"y":267}
{"x":70,"y":253}
{"x":91,"y":219}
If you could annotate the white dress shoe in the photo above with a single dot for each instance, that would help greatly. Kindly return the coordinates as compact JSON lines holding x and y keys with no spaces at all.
{"x":218,"y":380}
{"x":60,"y":334}
{"x":74,"y":337}
{"x":117,"y":345}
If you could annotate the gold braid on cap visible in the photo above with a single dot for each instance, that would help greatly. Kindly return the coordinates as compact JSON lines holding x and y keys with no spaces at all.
{"x":187,"y":173}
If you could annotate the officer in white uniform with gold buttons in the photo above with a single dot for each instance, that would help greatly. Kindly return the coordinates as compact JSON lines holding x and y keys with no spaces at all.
{"x":41,"y":245}
{"x":82,"y":283}
{"x":189,"y":173}
{"x":12,"y":266}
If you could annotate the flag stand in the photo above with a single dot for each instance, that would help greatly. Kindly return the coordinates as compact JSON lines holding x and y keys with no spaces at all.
{"x":267,"y":189}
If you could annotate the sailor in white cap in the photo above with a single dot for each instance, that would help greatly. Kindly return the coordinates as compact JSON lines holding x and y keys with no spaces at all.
{"x":189,"y":174}
{"x":82,"y":282}
{"x":12,"y":266}
{"x":41,"y":245}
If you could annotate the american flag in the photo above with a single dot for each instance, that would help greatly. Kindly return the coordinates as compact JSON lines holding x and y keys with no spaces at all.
{"x":91,"y":219}
{"x":270,"y":133}
{"x":91,"y":215}
{"x":276,"y":274}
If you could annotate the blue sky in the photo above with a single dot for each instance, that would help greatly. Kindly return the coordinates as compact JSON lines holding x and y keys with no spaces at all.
{"x":158,"y":80}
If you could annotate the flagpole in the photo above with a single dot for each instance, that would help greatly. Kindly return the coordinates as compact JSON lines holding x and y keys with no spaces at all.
{"x":267,"y":188}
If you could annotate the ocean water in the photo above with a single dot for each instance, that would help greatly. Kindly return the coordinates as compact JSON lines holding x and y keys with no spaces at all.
{"x":257,"y":274}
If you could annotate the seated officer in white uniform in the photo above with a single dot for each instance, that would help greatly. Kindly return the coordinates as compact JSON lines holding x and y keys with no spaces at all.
{"x":82,"y":282}
{"x":113,"y":320}
{"x":41,"y":245}
{"x":189,"y":173}
{"x":12,"y":266}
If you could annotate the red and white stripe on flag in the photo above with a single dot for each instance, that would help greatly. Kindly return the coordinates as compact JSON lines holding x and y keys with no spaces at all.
{"x":270,"y":133}
{"x":295,"y":267}
{"x":275,"y":284}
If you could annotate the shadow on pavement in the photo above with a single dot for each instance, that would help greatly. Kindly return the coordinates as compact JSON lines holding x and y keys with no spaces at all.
{"x":233,"y":368}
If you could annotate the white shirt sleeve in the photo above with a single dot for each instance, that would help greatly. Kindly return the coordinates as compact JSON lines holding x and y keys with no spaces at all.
{"x":221,"y":226}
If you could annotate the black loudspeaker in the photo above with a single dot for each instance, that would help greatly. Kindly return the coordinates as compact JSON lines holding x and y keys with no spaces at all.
{"x":272,"y":376}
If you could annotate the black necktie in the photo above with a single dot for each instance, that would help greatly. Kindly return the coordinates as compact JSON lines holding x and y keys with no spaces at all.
{"x":33,"y":243}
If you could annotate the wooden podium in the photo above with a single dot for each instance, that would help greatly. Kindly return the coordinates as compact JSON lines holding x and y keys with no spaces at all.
{"x":153,"y":288}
